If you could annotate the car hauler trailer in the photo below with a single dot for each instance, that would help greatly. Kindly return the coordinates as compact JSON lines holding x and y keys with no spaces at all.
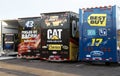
{"x":59,"y":36}
{"x":30,"y":37}
{"x":9,"y":37}
{"x":100,"y":34}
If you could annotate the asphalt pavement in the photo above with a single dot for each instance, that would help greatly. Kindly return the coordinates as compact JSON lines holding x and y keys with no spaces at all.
{"x":23,"y":67}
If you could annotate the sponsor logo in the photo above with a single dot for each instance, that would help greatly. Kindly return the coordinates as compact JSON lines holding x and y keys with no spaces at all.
{"x":29,"y":34}
{"x":97,"y":19}
{"x":103,"y":32}
{"x":54,"y":47}
{"x":54,"y":34}
{"x":96,"y":53}
{"x":65,"y":47}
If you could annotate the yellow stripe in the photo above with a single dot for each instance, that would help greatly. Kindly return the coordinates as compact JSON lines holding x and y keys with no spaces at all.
{"x":73,"y":51}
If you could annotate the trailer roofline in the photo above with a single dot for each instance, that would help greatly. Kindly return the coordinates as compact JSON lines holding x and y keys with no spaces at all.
{"x":57,"y":12}
{"x":30,"y":17}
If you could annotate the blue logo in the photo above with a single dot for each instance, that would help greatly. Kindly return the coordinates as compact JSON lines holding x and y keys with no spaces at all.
{"x":103,"y":32}
{"x":96,"y":53}
{"x":91,"y":32}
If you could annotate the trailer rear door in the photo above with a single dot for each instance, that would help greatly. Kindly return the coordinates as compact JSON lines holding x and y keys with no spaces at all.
{"x":98,"y":34}
{"x":55,"y":36}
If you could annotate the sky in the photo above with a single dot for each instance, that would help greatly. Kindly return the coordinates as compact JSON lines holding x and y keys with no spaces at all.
{"x":13,"y":9}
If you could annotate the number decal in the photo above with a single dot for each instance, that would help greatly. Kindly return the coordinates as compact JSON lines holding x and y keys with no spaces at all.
{"x":93,"y":42}
{"x":96,"y":41}
{"x":29,"y":23}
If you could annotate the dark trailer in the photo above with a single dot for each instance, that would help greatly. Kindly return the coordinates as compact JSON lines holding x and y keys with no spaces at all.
{"x":30,"y":37}
{"x":59,"y":36}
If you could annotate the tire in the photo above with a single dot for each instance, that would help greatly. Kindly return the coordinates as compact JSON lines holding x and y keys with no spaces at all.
{"x":107,"y":63}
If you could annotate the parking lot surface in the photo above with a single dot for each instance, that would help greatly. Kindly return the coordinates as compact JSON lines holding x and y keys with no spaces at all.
{"x":22,"y":67}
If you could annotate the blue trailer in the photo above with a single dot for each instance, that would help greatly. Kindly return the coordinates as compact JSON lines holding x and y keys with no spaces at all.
{"x":99,"y":34}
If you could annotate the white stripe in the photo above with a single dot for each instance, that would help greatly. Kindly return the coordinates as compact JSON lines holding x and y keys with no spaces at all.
{"x":3,"y":58}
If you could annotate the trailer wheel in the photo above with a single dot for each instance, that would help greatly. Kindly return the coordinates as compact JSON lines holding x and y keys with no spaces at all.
{"x":107,"y":63}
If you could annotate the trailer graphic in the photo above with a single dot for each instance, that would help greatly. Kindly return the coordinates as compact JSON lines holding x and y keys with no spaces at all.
{"x":59,"y":36}
{"x":30,"y":35}
{"x":99,"y":34}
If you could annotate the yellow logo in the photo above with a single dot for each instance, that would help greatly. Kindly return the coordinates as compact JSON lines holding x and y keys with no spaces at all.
{"x":54,"y":47}
{"x":97,"y":19}
{"x":55,"y":38}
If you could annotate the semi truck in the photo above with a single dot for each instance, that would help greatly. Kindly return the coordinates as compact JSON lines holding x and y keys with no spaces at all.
{"x":59,"y":36}
{"x":30,"y":37}
{"x":99,"y":34}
